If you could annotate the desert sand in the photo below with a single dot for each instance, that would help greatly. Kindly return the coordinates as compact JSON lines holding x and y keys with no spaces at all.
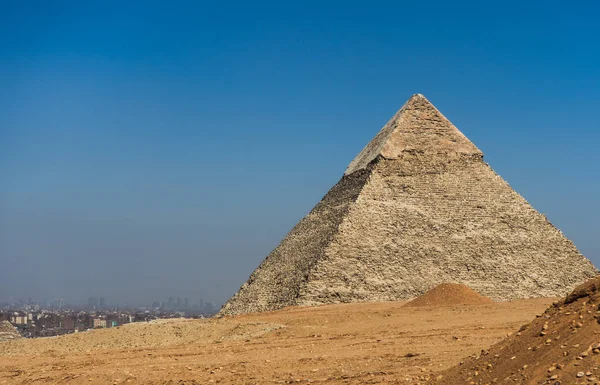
{"x":365,"y":343}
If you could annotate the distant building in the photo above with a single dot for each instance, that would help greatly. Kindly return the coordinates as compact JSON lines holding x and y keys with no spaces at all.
{"x":68,"y":323}
{"x":19,"y":319}
{"x":93,"y":303}
{"x":99,"y":323}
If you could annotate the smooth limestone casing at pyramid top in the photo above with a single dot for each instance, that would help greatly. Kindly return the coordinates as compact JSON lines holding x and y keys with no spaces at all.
{"x":417,"y":207}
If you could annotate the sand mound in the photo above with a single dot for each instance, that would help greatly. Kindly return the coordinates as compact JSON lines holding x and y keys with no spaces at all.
{"x":158,"y":333}
{"x":561,"y":346}
{"x":8,"y":332}
{"x":449,"y":294}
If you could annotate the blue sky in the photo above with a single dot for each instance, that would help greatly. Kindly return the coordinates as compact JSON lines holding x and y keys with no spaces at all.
{"x":151,"y":149}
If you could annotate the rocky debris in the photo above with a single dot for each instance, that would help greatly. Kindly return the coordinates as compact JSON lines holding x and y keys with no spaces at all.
{"x":561,"y":346}
{"x":449,"y":294}
{"x":417,"y":207}
{"x":8,"y":332}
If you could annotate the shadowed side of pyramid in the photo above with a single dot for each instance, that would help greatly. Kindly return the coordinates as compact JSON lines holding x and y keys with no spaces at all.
{"x":276,"y":282}
{"x":417,"y":207}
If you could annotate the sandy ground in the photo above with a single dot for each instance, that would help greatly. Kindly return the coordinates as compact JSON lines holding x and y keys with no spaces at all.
{"x":369,"y":343}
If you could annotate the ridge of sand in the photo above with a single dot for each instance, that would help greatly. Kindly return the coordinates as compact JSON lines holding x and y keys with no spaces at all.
{"x":446,"y":294}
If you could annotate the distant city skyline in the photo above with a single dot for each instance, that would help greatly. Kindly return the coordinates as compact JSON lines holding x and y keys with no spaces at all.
{"x":101,"y":302}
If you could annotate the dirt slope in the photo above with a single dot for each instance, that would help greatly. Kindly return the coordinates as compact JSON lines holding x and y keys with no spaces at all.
{"x":562,"y":346}
{"x":368,"y":343}
{"x":449,"y":294}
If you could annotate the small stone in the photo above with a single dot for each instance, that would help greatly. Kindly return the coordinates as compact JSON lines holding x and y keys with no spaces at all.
{"x":588,"y":373}
{"x":554,"y":377}
{"x":583,"y":354}
{"x":551,"y":369}
{"x":580,"y":374}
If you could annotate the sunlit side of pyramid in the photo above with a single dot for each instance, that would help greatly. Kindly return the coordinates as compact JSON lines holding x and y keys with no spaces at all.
{"x":417,"y":207}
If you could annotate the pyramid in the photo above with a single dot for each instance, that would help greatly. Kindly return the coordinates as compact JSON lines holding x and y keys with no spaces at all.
{"x":417,"y":207}
{"x":8,"y":332}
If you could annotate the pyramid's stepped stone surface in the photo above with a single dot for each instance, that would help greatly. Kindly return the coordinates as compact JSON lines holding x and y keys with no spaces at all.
{"x":278,"y":278}
{"x":417,"y":127}
{"x":417,"y":207}
{"x":8,"y":332}
{"x":452,"y":222}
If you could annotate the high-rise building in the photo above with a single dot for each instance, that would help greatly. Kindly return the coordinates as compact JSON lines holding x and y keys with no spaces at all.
{"x":93,"y":303}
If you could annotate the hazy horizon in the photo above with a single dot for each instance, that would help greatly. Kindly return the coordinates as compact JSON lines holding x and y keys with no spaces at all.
{"x":151,"y":150}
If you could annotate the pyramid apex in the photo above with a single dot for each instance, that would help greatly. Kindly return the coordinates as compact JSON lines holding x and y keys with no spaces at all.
{"x":417,"y":96}
{"x":417,"y":127}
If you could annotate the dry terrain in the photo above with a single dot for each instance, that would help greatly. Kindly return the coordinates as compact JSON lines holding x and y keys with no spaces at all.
{"x":560,"y":347}
{"x":368,"y":343}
